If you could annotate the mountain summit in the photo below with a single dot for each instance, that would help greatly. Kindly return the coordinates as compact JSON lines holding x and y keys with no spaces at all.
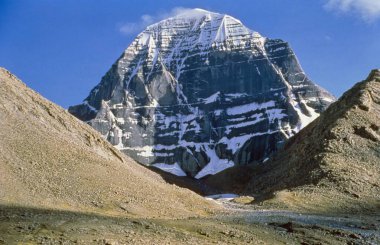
{"x":200,"y":92}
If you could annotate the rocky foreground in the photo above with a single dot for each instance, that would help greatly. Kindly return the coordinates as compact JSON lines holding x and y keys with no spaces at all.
{"x":239,"y":225}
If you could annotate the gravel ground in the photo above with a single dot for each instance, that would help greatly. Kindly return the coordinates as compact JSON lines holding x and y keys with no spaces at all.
{"x":237,"y":224}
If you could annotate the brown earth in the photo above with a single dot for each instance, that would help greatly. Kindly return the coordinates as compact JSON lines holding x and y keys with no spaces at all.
{"x":38,"y":226}
{"x":51,"y":160}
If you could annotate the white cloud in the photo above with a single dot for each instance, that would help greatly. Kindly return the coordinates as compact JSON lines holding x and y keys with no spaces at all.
{"x":368,"y":10}
{"x":176,"y":11}
{"x":133,"y":27}
{"x":146,"y":19}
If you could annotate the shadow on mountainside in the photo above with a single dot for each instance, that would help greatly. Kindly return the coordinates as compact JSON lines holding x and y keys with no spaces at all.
{"x":199,"y":186}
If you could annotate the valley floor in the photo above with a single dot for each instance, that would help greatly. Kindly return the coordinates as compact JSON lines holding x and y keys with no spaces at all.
{"x":236,"y":225}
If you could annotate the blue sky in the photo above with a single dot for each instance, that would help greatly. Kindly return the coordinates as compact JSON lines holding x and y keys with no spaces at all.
{"x":62,"y":48}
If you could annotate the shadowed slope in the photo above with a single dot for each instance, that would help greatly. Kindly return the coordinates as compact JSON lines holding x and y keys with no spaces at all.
{"x":49,"y":159}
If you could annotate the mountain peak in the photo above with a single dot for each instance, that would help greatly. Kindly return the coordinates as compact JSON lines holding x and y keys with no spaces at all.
{"x":197,"y":13}
{"x":200,"y":92}
{"x":374,"y":75}
{"x":200,"y":28}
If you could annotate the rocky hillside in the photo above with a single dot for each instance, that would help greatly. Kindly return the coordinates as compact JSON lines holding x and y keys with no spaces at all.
{"x":51,"y":160}
{"x":200,"y":92}
{"x":341,"y":148}
{"x":337,"y":157}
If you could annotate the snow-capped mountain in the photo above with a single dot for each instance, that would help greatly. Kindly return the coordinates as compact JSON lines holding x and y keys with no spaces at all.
{"x":200,"y":92}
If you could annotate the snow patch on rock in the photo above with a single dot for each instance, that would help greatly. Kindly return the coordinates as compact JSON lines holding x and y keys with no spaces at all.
{"x":170,"y":168}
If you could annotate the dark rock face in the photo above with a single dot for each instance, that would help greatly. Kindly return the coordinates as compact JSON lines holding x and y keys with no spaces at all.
{"x":200,"y":92}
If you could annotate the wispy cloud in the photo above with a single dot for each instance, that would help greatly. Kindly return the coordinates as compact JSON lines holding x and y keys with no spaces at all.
{"x":146,"y":19}
{"x":368,"y":10}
